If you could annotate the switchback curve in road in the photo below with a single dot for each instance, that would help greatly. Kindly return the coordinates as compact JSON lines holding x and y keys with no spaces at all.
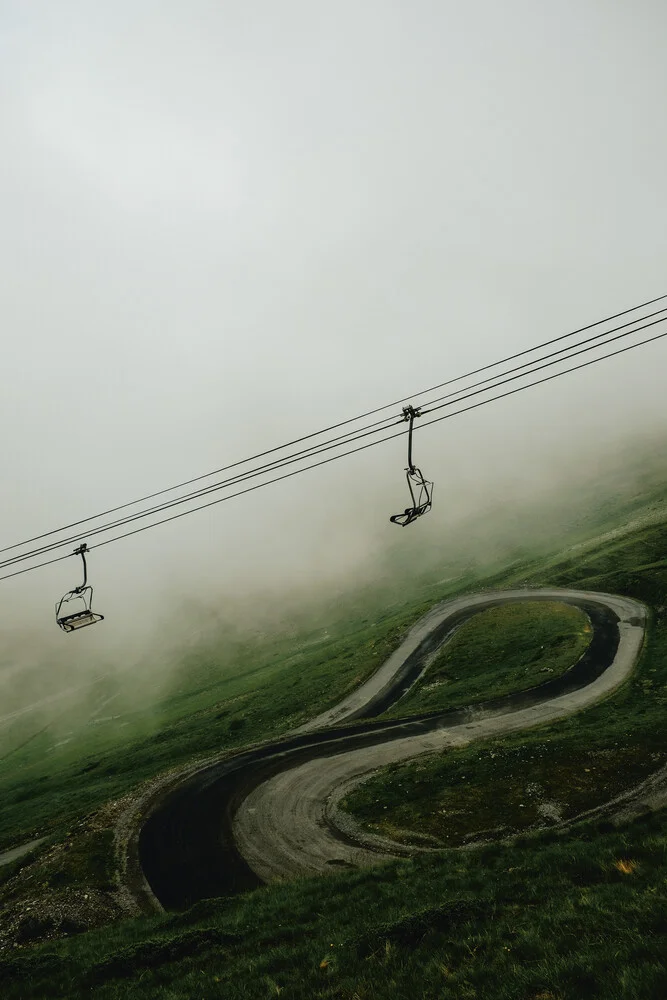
{"x":270,"y":812}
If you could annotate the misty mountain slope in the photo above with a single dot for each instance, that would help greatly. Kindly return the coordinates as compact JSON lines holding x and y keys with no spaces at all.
{"x":227,"y":226}
{"x":602,"y":866}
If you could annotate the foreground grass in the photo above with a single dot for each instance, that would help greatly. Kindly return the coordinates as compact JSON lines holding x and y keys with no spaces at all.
{"x":505,"y":649}
{"x":576,"y":917}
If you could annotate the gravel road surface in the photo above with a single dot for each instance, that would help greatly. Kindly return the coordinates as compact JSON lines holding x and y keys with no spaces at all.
{"x":270,"y":812}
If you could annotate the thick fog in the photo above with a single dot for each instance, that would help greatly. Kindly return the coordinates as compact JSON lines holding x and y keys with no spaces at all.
{"x":225,"y":225}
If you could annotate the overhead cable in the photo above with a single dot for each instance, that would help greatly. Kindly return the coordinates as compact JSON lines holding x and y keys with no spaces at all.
{"x":363,"y":447}
{"x":312,"y":451}
{"x":372,"y":444}
{"x":315,"y":450}
{"x":326,"y":430}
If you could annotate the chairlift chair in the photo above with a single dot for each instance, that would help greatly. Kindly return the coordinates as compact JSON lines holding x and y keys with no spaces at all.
{"x":421,"y":489}
{"x":85,"y":615}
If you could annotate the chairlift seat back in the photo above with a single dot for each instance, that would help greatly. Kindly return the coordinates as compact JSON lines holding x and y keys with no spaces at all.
{"x":421,"y":493}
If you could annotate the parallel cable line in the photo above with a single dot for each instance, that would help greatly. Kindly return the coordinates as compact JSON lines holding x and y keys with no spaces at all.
{"x":561,"y":350}
{"x":326,"y":430}
{"x":352,"y":451}
{"x":341,"y":441}
{"x":539,"y":381}
{"x":28,"y":569}
{"x":315,"y":450}
{"x":373,"y":444}
{"x":537,"y":368}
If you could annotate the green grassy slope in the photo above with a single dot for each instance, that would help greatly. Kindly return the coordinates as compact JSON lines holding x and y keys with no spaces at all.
{"x":501,"y":650}
{"x":505,"y":785}
{"x":552,"y":917}
{"x":276,"y":686}
{"x":581,"y":917}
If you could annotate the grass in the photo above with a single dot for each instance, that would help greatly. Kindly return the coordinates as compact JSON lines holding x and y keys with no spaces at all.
{"x":85,"y":857}
{"x":568,"y":918}
{"x":509,"y":784}
{"x":276,"y":684}
{"x":550,"y":917}
{"x":498,"y":651}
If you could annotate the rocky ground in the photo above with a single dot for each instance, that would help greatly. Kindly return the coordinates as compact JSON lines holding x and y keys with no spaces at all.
{"x":63,"y":888}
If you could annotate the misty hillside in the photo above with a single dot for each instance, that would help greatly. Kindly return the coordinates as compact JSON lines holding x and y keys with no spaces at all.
{"x":334,"y":514}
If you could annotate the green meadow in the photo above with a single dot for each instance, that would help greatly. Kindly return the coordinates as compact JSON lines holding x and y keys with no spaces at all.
{"x":538,"y":911}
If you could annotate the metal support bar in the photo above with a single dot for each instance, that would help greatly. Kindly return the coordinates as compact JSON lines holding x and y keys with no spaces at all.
{"x":409,"y":413}
{"x":81,"y":551}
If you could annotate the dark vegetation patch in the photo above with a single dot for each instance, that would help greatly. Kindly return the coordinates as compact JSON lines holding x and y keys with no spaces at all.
{"x":85,"y":857}
{"x":153,"y":954}
{"x":61,"y":888}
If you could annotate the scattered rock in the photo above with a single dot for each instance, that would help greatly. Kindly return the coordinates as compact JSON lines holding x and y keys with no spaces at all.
{"x":55,"y":915}
{"x":550,"y":810}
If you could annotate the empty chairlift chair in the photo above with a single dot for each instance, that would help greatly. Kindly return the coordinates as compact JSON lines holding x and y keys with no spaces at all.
{"x":84,"y":615}
{"x":421,"y":490}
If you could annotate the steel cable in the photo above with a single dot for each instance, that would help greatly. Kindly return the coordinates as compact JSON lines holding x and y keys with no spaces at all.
{"x":363,"y":447}
{"x":326,"y":430}
{"x":337,"y":442}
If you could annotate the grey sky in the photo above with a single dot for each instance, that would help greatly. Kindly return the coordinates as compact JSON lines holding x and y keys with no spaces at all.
{"x":224,"y":223}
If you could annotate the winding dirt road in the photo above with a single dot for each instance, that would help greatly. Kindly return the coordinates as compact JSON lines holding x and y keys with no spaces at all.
{"x":270,"y":812}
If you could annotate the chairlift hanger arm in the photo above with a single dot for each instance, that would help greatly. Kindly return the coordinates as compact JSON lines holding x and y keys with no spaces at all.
{"x":409,"y":413}
{"x":81,"y":551}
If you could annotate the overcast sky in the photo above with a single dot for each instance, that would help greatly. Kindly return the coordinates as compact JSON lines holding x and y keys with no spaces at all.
{"x":224,"y":224}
